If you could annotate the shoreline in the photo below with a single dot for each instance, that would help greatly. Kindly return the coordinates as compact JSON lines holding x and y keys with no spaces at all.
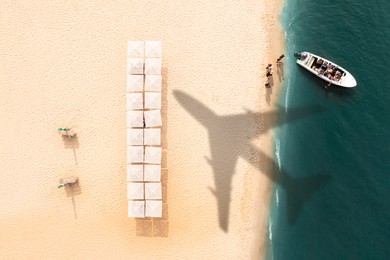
{"x":65,"y":66}
{"x":277,"y":46}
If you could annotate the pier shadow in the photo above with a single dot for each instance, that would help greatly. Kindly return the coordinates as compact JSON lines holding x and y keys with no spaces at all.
{"x":72,"y":191}
{"x":230,"y":138}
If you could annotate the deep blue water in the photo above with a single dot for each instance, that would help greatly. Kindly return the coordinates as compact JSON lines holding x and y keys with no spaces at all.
{"x":341,"y":209}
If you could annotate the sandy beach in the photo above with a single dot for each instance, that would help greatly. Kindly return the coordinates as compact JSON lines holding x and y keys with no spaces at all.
{"x":63,"y":64}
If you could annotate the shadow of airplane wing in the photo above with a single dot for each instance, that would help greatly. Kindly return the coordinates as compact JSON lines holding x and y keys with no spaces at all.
{"x":272,"y":119}
{"x":194,"y":107}
{"x":298,"y":190}
{"x":268,"y":119}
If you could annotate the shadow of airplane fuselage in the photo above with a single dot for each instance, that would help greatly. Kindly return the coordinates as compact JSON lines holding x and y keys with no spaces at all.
{"x":230,"y":139}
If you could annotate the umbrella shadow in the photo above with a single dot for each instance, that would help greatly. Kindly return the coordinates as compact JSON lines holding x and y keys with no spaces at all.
{"x":156,"y":227}
{"x":230,"y":137}
{"x":71,"y":191}
{"x":72,"y":143}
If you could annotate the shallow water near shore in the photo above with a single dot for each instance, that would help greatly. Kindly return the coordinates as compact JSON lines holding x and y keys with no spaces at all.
{"x":347,"y":216}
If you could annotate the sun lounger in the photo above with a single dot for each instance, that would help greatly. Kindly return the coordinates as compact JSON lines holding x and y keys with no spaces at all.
{"x":135,"y":172}
{"x":152,"y":100}
{"x":152,"y":136}
{"x":135,"y":191}
{"x":153,"y":155}
{"x":153,"y":83}
{"x":136,"y":209}
{"x":153,"y":208}
{"x":152,"y":172}
{"x":153,"y":118}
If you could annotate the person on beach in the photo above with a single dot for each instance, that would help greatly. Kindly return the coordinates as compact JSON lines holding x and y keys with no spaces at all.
{"x":66,"y":132}
{"x":269,"y":70}
{"x":269,"y":74}
{"x":279,"y":59}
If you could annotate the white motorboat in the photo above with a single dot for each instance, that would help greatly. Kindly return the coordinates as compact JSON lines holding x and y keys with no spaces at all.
{"x":326,"y":70}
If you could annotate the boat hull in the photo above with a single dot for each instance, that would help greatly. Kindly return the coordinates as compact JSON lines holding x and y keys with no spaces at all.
{"x":309,"y":61}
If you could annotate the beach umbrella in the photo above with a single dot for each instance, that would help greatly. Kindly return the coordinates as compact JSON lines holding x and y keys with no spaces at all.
{"x":153,"y":118}
{"x":152,"y":172}
{"x":153,"y":83}
{"x":153,"y":66}
{"x":134,"y":101}
{"x":135,"y":136}
{"x":135,"y":154}
{"x":136,"y":209}
{"x":153,"y":191}
{"x":135,"y":172}
{"x":152,"y":100}
{"x":135,"y":83}
{"x":135,"y":118}
{"x":135,"y":66}
{"x":153,"y":49}
{"x":152,"y":136}
{"x":67,"y":181}
{"x":153,"y":154}
{"x":135,"y":49}
{"x":135,"y":190}
{"x":153,"y":208}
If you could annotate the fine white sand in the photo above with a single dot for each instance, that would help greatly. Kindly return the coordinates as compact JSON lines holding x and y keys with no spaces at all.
{"x":63,"y":64}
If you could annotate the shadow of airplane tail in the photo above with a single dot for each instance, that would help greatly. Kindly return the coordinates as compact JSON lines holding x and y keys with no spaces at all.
{"x":222,"y":190}
{"x":299,"y":191}
{"x":223,"y":209}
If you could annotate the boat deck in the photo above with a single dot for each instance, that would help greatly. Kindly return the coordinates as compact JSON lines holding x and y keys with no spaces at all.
{"x":326,"y":69}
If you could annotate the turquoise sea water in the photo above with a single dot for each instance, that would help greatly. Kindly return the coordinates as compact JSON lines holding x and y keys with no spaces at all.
{"x":346,"y":214}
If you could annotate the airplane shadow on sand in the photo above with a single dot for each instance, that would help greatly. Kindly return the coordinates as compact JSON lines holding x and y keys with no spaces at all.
{"x":230,"y":137}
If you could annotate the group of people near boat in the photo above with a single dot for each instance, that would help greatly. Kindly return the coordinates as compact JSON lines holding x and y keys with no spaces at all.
{"x":327,"y":69}
{"x":269,"y":71}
